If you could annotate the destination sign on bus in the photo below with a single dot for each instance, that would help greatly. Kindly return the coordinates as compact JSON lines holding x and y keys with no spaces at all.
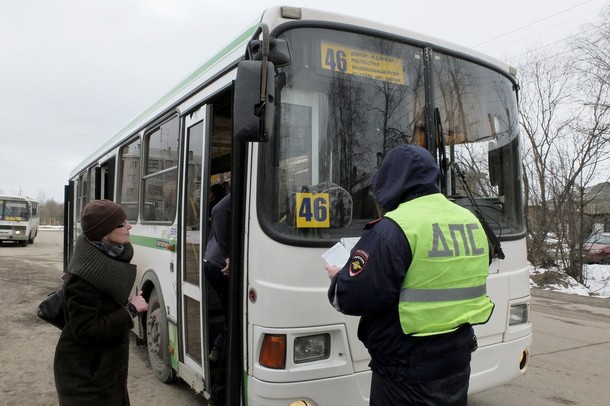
{"x":357,"y":62}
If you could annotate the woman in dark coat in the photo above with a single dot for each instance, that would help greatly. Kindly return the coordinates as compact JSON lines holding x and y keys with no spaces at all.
{"x":92,"y":354}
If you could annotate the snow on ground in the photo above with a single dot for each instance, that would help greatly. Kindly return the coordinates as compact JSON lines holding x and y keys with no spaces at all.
{"x":51,"y":228}
{"x":596,"y":281}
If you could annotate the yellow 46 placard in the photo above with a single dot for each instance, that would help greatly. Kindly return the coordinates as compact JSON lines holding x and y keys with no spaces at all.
{"x":312,"y":210}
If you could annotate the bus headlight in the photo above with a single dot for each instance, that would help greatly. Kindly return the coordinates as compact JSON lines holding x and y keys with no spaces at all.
{"x":519,"y":314}
{"x":17,"y":232}
{"x":311,"y":348}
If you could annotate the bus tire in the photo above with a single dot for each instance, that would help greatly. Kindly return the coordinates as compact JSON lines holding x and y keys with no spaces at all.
{"x":157,"y":339}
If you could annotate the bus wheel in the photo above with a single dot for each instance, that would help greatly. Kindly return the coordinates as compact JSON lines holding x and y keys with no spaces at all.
{"x":157,"y":339}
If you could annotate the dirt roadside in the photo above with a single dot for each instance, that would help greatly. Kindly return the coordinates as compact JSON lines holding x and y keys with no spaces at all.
{"x":27,"y":275}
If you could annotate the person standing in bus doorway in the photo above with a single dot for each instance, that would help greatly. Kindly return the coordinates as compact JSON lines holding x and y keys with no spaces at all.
{"x":217,"y":192}
{"x":417,"y":276}
{"x":92,"y":354}
{"x":216,"y":268}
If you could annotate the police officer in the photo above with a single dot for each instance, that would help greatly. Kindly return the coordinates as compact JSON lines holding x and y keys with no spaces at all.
{"x":417,"y":276}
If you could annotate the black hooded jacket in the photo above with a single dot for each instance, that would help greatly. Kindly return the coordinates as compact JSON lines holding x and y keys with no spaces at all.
{"x":369,"y":285}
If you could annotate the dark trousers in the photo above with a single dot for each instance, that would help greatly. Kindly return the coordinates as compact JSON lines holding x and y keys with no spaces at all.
{"x":220,"y":283}
{"x":449,"y":391}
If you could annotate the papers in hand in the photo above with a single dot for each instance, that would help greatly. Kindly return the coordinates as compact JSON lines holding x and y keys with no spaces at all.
{"x":337,"y":255}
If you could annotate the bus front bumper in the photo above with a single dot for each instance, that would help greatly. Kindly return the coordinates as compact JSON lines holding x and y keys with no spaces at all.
{"x":351,"y":389}
{"x":498,"y":364}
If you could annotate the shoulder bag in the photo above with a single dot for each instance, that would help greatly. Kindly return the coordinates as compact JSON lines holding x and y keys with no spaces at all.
{"x":51,"y":310}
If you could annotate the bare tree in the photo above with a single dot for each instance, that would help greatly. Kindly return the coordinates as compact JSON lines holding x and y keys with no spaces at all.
{"x":51,"y":212}
{"x":592,"y":68}
{"x":565,"y":120}
{"x":544,"y":84}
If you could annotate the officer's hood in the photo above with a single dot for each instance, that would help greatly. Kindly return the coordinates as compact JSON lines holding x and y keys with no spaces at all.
{"x":407,"y":171}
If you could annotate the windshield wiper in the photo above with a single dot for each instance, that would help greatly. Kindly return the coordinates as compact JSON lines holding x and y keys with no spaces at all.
{"x":440,"y":148}
{"x":494,"y":241}
{"x":444,"y":164}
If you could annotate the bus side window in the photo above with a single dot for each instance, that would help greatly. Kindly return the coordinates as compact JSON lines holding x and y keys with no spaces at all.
{"x":128,"y":191}
{"x":160,"y":172}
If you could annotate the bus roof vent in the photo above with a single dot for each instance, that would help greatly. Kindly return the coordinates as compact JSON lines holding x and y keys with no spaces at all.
{"x":291,"y":12}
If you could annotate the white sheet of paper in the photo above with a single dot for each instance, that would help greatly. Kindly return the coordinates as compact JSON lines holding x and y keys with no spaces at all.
{"x":349,"y":242}
{"x":336,"y":255}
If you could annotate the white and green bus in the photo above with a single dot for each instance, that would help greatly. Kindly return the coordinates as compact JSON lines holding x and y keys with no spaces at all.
{"x":296,"y":114}
{"x":19,"y":219}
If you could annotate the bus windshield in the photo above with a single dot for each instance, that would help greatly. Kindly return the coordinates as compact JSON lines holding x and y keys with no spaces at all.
{"x":347,"y":98}
{"x":13,"y":210}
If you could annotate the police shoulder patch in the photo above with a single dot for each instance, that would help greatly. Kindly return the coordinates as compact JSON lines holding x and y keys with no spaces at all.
{"x":358,"y":262}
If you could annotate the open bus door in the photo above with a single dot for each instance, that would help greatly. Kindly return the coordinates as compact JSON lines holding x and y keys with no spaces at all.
{"x":191,"y":280}
{"x":68,"y":223}
{"x":207,"y":163}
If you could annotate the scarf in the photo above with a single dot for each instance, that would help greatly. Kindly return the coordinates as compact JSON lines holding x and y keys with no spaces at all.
{"x":113,"y":276}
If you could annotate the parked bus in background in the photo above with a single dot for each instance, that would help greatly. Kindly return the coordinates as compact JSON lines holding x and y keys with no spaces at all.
{"x":296,"y":114}
{"x":19,"y":219}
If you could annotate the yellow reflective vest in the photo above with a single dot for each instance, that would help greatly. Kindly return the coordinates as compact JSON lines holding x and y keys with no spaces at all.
{"x":445,"y":285}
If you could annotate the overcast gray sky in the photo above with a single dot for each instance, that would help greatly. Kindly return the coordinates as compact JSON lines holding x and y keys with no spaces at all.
{"x":74,"y":72}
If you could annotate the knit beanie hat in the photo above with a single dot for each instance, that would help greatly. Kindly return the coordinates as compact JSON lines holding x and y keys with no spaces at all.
{"x":100,"y":217}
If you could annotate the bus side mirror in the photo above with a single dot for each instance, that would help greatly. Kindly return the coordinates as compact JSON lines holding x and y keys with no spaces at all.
{"x":254,"y":102}
{"x":279,"y":51}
